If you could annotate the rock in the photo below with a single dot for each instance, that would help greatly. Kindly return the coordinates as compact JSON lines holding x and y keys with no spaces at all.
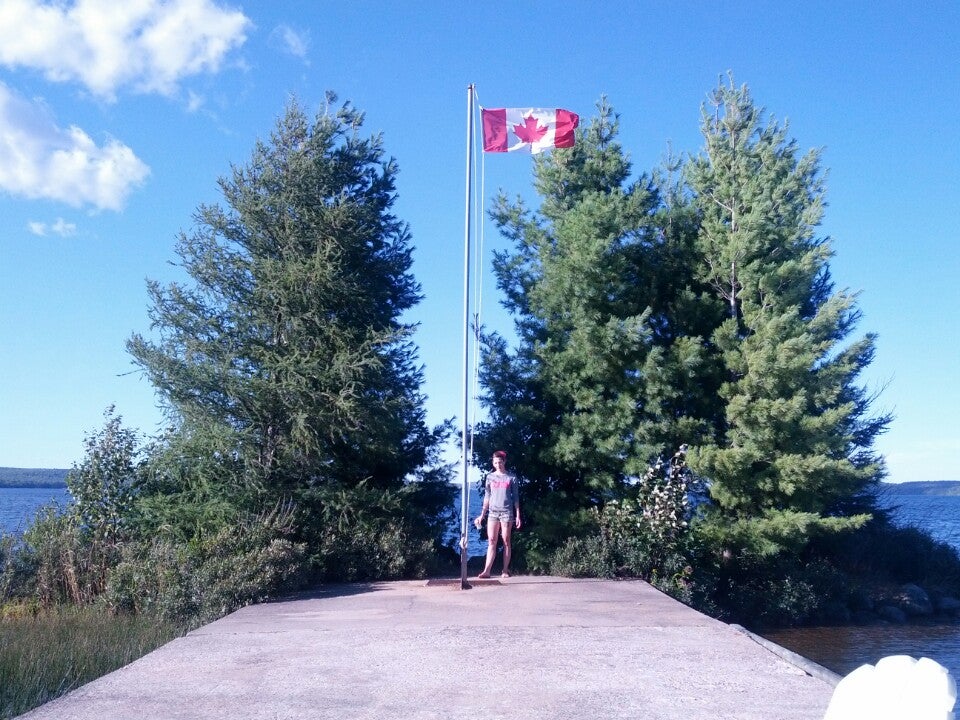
{"x":863,"y":617}
{"x":948,"y":605}
{"x":913,"y":600}
{"x":893,"y":614}
{"x":860,"y":601}
{"x":836,"y":613}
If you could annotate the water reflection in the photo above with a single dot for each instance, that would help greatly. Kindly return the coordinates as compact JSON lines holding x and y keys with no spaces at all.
{"x":844,"y":649}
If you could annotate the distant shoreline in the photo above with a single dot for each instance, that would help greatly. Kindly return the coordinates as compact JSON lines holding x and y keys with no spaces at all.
{"x":923,"y":487}
{"x":33,"y":486}
{"x":48,"y":478}
{"x":55,"y":478}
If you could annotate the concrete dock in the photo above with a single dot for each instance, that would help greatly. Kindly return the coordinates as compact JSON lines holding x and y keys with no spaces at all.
{"x":522,"y":647}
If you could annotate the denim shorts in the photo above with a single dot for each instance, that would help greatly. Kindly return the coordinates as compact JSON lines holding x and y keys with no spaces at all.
{"x":504,"y":516}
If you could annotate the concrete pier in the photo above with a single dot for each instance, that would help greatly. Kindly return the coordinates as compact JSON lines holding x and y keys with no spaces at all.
{"x":521,"y":647}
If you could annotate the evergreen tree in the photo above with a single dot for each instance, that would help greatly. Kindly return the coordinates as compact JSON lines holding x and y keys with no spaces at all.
{"x":795,"y":449}
{"x":286,"y":364}
{"x":681,"y":373}
{"x":581,"y":282}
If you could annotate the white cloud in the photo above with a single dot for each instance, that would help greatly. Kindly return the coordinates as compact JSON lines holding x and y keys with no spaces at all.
{"x":59,"y":227}
{"x":293,"y":42}
{"x":148,"y":45}
{"x":63,"y":228}
{"x":194,"y":102}
{"x":38,"y":159}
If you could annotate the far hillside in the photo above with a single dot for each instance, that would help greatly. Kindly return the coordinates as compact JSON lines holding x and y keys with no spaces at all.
{"x":927,"y":487}
{"x":33,"y":477}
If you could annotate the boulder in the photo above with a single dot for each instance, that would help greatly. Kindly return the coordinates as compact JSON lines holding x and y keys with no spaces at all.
{"x":860,"y":601}
{"x":948,"y":605}
{"x":913,"y":600}
{"x":892,"y":614}
{"x":863,"y":617}
{"x":835,"y":613}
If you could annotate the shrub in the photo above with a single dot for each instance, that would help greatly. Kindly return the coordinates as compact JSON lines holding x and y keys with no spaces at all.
{"x":582,"y":557}
{"x":243,"y":563}
{"x":240,"y":567}
{"x":364,"y":533}
{"x":643,"y":534}
{"x":647,"y":537}
{"x":154,"y":577}
{"x":12,"y":575}
{"x":55,"y":561}
{"x":103,"y":484}
{"x":778,"y":591}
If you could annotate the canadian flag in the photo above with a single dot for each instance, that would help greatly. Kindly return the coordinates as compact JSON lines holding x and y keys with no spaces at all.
{"x":531,"y":130}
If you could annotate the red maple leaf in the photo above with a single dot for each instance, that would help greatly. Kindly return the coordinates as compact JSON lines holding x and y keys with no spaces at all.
{"x":531,"y":130}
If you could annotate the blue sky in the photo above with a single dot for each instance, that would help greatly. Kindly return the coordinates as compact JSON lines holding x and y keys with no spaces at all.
{"x":116,"y":119}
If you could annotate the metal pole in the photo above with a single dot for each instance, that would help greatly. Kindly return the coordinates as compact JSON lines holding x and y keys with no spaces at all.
{"x":464,"y":510}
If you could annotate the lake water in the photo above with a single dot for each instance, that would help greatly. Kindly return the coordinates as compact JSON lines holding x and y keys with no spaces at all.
{"x":18,"y":505}
{"x":844,"y":649}
{"x":841,"y":649}
{"x":476,"y":546}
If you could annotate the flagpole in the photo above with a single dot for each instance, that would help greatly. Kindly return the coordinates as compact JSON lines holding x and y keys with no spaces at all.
{"x":464,"y":509}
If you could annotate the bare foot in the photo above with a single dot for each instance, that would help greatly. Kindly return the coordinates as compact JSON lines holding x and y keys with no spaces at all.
{"x":484,"y":575}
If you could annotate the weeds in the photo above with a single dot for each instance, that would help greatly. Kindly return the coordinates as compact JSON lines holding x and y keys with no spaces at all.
{"x":47,"y":654}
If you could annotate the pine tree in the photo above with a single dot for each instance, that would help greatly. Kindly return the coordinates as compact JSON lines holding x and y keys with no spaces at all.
{"x":578,"y":282}
{"x":286,"y":362}
{"x":681,"y":373}
{"x":795,"y":449}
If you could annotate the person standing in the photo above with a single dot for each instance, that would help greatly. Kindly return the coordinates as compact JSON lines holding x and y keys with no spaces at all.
{"x":501,"y":507}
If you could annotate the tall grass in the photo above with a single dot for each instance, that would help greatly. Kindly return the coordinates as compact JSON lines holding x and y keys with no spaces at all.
{"x":45,"y":655}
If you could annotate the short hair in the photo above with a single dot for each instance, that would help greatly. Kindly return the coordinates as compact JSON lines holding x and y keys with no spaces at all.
{"x":500,"y":454}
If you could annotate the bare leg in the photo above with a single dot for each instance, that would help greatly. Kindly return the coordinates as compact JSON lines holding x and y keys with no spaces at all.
{"x":493,"y":536}
{"x":506,"y":529}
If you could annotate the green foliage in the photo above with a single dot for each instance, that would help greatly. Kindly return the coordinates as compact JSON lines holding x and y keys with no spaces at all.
{"x":578,"y":282}
{"x":246,"y":562}
{"x":104,"y":483}
{"x":57,"y":560}
{"x":795,"y":453}
{"x":193,"y":483}
{"x":582,"y":558}
{"x":53,"y":561}
{"x":106,"y":545}
{"x":155,"y":576}
{"x":8,"y":568}
{"x":776,"y":594}
{"x":645,"y":537}
{"x":691,"y":306}
{"x":286,"y":362}
{"x":882,"y":553}
{"x":812,"y":574}
{"x":612,"y":365}
{"x":367,"y":533}
{"x":297,"y":430}
{"x":287,"y":353}
{"x":66,"y":554}
{"x":664,"y":500}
